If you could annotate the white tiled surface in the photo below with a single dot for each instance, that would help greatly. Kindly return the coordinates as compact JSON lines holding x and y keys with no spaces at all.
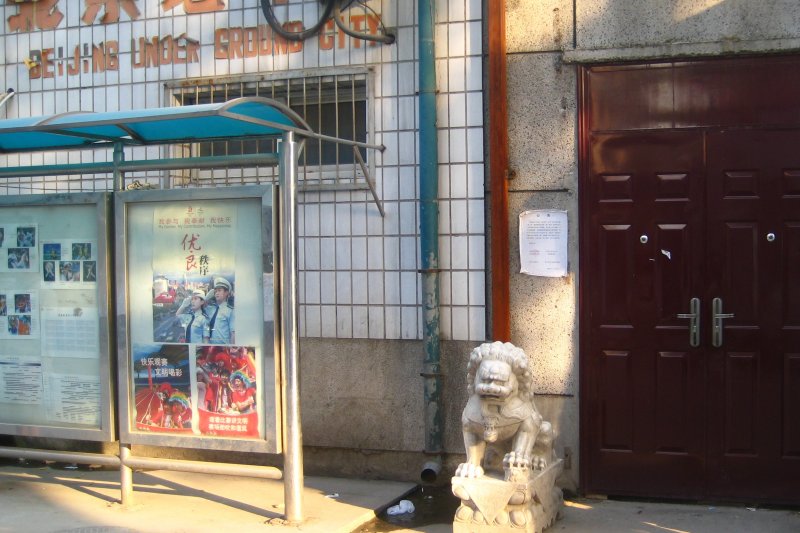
{"x":359,"y":274}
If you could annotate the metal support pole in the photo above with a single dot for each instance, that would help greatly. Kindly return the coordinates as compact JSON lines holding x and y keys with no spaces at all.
{"x":293,"y":435}
{"x":125,"y":475}
{"x":119,"y":157}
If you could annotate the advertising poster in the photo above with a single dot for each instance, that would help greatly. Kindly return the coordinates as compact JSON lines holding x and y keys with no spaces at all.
{"x":193,"y":256}
{"x":69,"y":264}
{"x":162,"y":388}
{"x":19,"y":314}
{"x":194,"y":273}
{"x":18,"y":247}
{"x":226,"y":391}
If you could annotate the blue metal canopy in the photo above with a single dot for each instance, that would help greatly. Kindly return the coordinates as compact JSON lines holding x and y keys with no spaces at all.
{"x":235,"y":119}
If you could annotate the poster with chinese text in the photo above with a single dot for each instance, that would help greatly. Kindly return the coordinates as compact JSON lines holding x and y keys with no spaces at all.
{"x":162,"y":388}
{"x":194,"y":252}
{"x":226,"y":391}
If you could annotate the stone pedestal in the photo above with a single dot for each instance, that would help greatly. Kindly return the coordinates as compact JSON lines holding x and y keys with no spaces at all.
{"x":529,"y":502}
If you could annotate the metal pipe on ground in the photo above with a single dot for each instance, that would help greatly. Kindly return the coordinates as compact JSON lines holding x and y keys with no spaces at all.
{"x":83,"y":458}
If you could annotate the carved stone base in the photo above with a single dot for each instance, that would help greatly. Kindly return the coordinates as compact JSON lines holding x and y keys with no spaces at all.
{"x":489,"y":504}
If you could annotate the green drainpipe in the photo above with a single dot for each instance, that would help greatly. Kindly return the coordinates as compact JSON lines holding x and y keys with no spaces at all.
{"x":429,"y":236}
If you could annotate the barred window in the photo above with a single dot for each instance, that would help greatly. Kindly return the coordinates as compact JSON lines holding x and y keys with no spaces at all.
{"x":334,"y":104}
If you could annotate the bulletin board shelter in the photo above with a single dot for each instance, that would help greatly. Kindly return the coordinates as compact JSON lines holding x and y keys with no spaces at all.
{"x":238,"y":119}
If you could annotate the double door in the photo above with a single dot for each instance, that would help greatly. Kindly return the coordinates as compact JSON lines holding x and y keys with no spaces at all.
{"x":692,"y":287}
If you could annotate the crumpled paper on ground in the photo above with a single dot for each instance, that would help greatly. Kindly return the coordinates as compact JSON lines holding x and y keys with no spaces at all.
{"x":403,"y":507}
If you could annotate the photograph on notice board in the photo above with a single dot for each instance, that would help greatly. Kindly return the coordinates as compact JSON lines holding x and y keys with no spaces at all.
{"x":227,"y":391}
{"x":69,"y":264}
{"x":19,"y":312}
{"x":162,"y":388}
{"x":19,"y":248}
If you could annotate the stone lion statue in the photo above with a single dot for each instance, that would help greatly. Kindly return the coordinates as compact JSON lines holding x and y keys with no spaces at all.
{"x":500,"y":413}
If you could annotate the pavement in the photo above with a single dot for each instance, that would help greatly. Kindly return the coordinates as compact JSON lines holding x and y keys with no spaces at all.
{"x":53,"y":499}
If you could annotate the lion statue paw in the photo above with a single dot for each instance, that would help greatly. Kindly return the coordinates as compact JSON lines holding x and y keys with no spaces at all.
{"x":469,"y":470}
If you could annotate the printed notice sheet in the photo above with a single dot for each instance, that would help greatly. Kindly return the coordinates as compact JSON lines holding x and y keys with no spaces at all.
{"x":70,"y":332}
{"x":543,"y":243}
{"x":20,"y":380}
{"x":73,"y":398}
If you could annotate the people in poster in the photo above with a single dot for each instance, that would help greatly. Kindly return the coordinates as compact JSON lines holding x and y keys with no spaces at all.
{"x":89,"y":271}
{"x":227,"y":391}
{"x":193,"y":307}
{"x":162,"y":388}
{"x":70,"y":271}
{"x":22,"y":303}
{"x":221,"y":316}
{"x":19,"y":258}
{"x":26,"y":237}
{"x":243,"y":393}
{"x":24,"y":325}
{"x":81,"y":251}
{"x":49,"y":270}
{"x":51,"y":251}
{"x":3,"y":308}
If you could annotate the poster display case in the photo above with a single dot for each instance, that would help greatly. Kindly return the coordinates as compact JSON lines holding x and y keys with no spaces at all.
{"x":56,"y":362}
{"x":196,"y":318}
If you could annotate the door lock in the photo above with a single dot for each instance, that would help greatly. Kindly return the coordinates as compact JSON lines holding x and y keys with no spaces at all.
{"x":716,"y":321}
{"x":694,"y":321}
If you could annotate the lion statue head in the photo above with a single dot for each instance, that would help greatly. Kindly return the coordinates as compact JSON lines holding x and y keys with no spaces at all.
{"x":488,"y":380}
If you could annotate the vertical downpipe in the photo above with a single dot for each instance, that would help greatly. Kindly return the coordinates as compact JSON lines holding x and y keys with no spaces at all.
{"x":429,"y":228}
{"x":497,"y":133}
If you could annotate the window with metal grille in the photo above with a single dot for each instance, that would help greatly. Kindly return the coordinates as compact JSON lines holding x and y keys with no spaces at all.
{"x":334,"y":104}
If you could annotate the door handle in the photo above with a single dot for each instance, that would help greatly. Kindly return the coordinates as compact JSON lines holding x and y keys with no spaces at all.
{"x":694,"y":321}
{"x":716,"y":321}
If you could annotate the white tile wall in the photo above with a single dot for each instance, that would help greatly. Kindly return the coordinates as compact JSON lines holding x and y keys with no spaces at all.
{"x":360,"y":271}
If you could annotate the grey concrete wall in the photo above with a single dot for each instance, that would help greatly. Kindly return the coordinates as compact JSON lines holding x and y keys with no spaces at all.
{"x":623,"y":23}
{"x":542,"y":111}
{"x":366,"y":396}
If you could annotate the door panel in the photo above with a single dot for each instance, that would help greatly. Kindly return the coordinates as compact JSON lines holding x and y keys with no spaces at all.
{"x":758,"y":262}
{"x":646,"y":249}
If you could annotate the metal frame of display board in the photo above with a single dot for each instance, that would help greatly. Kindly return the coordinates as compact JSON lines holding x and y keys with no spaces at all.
{"x":60,"y":205}
{"x":136,"y":327}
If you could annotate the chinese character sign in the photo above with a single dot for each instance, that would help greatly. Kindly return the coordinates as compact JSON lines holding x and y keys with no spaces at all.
{"x":193,"y":274}
{"x":162,"y":388}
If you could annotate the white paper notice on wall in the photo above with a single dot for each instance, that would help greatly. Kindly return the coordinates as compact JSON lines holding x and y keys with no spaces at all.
{"x":543,"y":242}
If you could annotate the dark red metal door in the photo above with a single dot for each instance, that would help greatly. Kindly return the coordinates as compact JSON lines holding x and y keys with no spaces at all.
{"x":754,"y":264}
{"x":646,"y":384}
{"x":677,"y":215}
{"x":691,"y":189}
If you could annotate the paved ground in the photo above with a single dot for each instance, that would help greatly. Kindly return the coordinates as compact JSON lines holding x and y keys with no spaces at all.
{"x":49,"y":499}
{"x":606,"y":516}
{"x":43,"y":499}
